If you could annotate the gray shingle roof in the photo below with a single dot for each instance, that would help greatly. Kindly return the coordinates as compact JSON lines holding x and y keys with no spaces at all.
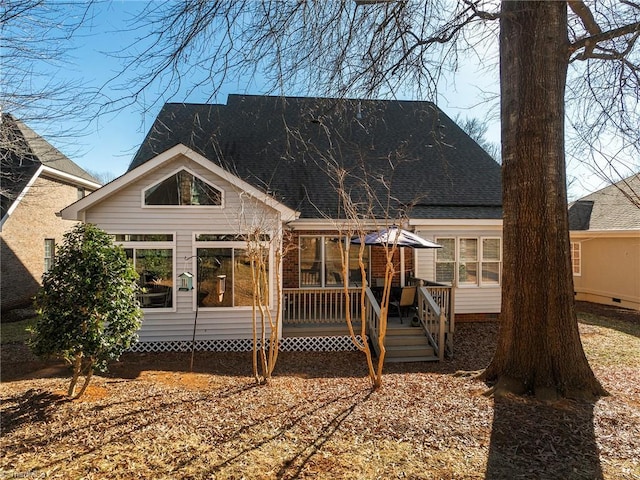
{"x":408,"y":153}
{"x":616,"y":207}
{"x":22,"y":151}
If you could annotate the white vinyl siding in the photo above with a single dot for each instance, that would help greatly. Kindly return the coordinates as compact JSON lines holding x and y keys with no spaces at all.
{"x":482,"y":297}
{"x":124,"y":213}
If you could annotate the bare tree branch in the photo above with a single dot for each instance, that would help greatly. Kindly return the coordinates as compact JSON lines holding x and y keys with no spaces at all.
{"x":591,"y":43}
{"x":586,"y":16}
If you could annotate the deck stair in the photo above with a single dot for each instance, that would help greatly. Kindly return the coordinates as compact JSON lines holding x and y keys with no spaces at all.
{"x":407,"y":344}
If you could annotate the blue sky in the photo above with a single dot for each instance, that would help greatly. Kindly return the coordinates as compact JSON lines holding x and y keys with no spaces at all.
{"x":110,"y":140}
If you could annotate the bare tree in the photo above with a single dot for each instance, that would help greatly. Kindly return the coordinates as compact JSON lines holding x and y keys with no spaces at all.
{"x":35,"y":42}
{"x":267,"y":318}
{"x":387,"y":47}
{"x":359,"y":218}
{"x":35,"y":37}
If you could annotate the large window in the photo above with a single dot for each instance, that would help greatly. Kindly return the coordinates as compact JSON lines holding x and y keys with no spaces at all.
{"x":224,"y":277}
{"x":475,"y":261}
{"x":183,"y":188}
{"x":153,"y":258}
{"x":576,"y":258}
{"x":320,"y":264}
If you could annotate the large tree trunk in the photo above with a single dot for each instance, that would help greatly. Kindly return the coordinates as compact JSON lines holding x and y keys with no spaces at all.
{"x":539,"y":349}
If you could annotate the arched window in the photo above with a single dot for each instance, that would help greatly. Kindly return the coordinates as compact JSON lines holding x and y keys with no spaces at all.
{"x":183,"y":188}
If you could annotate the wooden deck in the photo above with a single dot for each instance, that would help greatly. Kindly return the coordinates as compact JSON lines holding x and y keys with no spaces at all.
{"x":313,"y":316}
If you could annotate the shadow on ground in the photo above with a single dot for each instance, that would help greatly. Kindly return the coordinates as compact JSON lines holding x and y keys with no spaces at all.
{"x":531,"y":439}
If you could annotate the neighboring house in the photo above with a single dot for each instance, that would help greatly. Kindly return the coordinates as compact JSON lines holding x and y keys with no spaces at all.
{"x":605,"y":245}
{"x":206,"y":175}
{"x":37,"y":182}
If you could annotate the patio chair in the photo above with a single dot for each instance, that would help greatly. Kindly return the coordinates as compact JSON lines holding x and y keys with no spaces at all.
{"x":406,"y":301}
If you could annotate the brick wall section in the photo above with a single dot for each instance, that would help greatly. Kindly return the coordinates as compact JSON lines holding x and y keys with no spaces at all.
{"x":291,"y":262}
{"x":23,"y":234}
{"x":477,"y":317}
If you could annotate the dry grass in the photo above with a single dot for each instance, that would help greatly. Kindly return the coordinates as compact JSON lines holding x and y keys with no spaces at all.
{"x":319,"y":419}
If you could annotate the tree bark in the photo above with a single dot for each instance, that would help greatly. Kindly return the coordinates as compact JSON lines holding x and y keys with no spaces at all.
{"x":539,"y":349}
{"x":77,"y":369}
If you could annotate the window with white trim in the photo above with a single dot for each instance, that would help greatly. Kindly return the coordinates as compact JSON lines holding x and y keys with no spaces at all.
{"x":223,"y":272}
{"x":321,"y":265}
{"x":469,"y":261}
{"x":153,"y":256}
{"x":446,"y":260}
{"x":491,"y":261}
{"x":576,"y":258}
{"x":183,"y":188}
{"x":49,"y":253}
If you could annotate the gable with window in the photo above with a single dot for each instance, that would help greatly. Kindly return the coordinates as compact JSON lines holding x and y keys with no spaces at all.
{"x":183,"y":188}
{"x":469,"y":261}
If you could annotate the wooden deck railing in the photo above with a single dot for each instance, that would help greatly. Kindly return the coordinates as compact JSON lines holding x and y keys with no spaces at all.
{"x":304,"y":306}
{"x":318,"y":306}
{"x":372,"y":318}
{"x":435,"y":313}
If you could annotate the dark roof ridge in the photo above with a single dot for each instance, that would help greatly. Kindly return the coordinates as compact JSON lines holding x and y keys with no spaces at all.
{"x":303,"y":97}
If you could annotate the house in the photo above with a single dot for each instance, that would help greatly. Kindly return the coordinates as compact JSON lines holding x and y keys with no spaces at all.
{"x":206,"y":175}
{"x":37,"y":182}
{"x":605,"y":245}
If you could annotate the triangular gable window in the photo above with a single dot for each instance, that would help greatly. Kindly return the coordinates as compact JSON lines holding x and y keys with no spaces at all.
{"x":183,"y":188}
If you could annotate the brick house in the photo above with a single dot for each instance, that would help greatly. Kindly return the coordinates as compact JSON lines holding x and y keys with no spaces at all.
{"x":37,"y":182}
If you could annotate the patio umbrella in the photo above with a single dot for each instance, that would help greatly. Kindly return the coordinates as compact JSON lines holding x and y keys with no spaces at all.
{"x":394,"y":235}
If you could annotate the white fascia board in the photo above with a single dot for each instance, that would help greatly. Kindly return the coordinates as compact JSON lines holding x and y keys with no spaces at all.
{"x":334,"y":224}
{"x":21,"y":195}
{"x":81,"y":182}
{"x":76,"y":210}
{"x":456,"y":222}
{"x":370,"y":225}
{"x":586,"y":234}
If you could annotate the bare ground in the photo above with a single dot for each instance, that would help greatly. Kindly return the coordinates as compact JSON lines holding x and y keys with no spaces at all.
{"x":152,"y":418}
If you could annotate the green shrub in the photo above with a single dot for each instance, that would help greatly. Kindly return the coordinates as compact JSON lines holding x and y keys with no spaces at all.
{"x":88,"y":309}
